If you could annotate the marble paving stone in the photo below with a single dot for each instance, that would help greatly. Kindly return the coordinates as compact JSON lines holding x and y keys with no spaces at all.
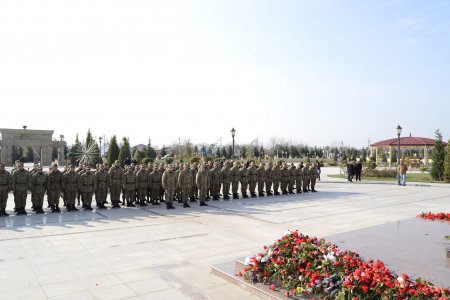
{"x":153,"y":253}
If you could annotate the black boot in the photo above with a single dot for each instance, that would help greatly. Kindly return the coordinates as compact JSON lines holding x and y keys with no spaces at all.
{"x":253,"y":195}
{"x":235,"y":196}
{"x":299,"y":191}
{"x":261,"y":194}
{"x":143,"y":203}
{"x":186,"y":205}
{"x":169,"y":205}
{"x":23,"y":211}
{"x":57,"y":209}
{"x":3,"y":213}
{"x":203,"y":204}
{"x":39,"y":210}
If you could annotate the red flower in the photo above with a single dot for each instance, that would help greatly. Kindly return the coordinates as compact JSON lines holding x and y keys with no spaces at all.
{"x":272,"y":287}
{"x":365,"y":288}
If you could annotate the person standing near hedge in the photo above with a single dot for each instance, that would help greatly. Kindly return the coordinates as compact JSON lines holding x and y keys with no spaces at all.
{"x":358,"y":171}
{"x":403,"y":169}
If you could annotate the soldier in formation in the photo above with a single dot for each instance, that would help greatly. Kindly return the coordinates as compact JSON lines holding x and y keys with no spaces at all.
{"x":153,"y":183}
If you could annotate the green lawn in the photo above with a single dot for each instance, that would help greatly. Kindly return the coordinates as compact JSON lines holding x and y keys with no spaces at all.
{"x":412,"y":177}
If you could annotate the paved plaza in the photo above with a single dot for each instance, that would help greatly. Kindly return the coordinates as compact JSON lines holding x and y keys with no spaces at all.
{"x":154,"y":253}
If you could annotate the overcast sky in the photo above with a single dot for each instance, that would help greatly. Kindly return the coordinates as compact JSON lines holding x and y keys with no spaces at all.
{"x":317,"y":72}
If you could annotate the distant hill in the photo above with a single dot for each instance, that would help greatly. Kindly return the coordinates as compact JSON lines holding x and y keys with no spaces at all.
{"x":139,"y":147}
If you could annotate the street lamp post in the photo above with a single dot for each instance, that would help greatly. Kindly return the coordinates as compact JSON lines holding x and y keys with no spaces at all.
{"x":399,"y":131}
{"x":100,"y":140}
{"x":233,"y":133}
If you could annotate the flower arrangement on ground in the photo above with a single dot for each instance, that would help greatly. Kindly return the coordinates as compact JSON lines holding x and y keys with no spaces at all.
{"x":300,"y":265}
{"x":438,"y":216}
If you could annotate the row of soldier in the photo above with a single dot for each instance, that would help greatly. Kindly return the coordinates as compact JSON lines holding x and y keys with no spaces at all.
{"x":152,"y":183}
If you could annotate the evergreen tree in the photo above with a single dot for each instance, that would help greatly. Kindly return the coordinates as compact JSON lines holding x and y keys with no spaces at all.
{"x":89,"y":138}
{"x":256,"y":151}
{"x":163,"y":151}
{"x":438,"y":156}
{"x":139,"y":155}
{"x":188,"y":150}
{"x":113,"y":151}
{"x":150,"y":152}
{"x":261,"y":151}
{"x":447,"y":164}
{"x":74,"y":152}
{"x":97,"y":156}
{"x":125,"y":152}
{"x":244,"y":152}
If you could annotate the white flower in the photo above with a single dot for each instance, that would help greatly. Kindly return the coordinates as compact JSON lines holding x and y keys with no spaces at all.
{"x":330,"y":257}
{"x":400,"y":280}
{"x":265,"y":259}
{"x":248,"y":261}
{"x":288,"y":232}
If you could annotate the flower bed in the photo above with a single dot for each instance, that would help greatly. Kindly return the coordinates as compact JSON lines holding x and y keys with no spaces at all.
{"x":439,"y":216}
{"x":299,"y":265}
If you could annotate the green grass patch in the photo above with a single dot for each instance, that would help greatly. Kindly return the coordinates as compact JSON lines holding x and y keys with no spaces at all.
{"x":412,"y":177}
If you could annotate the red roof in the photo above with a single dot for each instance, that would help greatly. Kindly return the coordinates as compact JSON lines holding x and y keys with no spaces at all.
{"x":407,"y":141}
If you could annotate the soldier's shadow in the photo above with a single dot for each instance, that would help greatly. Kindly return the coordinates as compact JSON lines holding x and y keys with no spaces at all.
{"x":91,"y":219}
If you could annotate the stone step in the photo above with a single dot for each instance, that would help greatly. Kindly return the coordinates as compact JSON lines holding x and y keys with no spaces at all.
{"x":230,"y":272}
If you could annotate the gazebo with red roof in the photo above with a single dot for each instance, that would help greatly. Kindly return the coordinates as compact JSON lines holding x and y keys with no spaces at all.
{"x":406,"y":142}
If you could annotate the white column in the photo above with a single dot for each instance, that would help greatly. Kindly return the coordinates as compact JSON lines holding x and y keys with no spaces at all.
{"x":376,"y":155}
{"x":425,"y":156}
{"x":390,"y":156}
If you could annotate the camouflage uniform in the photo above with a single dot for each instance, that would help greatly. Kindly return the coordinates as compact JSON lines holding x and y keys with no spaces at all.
{"x":306,"y":178}
{"x":216,"y":181}
{"x":313,"y":176}
{"x":235,"y":180}
{"x":169,"y":183}
{"x":5,"y":187}
{"x":54,"y":188}
{"x":292,"y":175}
{"x":20,"y":181}
{"x":142,"y":185}
{"x":276,"y":178}
{"x":87,"y":188}
{"x":129,"y":184}
{"x":156,"y":186}
{"x":261,"y":179}
{"x":244,"y":176}
{"x":71,"y":183}
{"x":185,"y":184}
{"x":194,"y":188}
{"x":284,"y":179}
{"x":226,"y":180}
{"x":299,"y":179}
{"x":269,"y":179}
{"x":149,"y":183}
{"x":115,"y":184}
{"x":201,"y":181}
{"x":101,"y":187}
{"x":32,"y":172}
{"x":38,"y":187}
{"x":253,"y":179}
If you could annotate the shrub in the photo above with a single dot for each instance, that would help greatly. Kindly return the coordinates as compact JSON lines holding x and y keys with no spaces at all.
{"x":169,"y":160}
{"x":147,"y":160}
{"x":380,"y":173}
{"x":195,"y":159}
